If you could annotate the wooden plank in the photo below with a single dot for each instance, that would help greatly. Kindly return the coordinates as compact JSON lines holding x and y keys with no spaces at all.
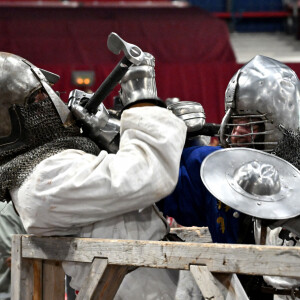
{"x":103,"y":281}
{"x":206,"y":282}
{"x":223,"y":258}
{"x":110,"y":282}
{"x":90,"y":284}
{"x":231,"y":286}
{"x":21,"y":272}
{"x":16,"y":259}
{"x":218,"y":286}
{"x":53,"y":281}
{"x":37,"y":279}
{"x":193,"y":234}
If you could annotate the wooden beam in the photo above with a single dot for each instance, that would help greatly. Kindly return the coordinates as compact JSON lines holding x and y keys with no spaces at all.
{"x":21,"y":272}
{"x":207,"y":283}
{"x":53,"y":280}
{"x":223,"y":258}
{"x":218,"y":286}
{"x":231,"y":286}
{"x":110,"y":282}
{"x":103,"y":281}
{"x":37,"y":279}
{"x":91,"y":282}
{"x":193,"y":234}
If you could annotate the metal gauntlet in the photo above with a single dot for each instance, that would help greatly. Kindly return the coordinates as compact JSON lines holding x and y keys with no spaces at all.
{"x":192,"y":113}
{"x":138,"y":85}
{"x":101,"y":127}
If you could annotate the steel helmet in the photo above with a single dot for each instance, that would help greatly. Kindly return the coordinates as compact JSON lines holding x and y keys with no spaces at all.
{"x":267,"y":92}
{"x":19,"y":79}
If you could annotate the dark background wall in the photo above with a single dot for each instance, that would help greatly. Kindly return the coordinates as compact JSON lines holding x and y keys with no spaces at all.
{"x":194,"y":58}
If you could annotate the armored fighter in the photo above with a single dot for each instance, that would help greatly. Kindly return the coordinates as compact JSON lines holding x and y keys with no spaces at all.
{"x":237,"y":183}
{"x":62,"y":183}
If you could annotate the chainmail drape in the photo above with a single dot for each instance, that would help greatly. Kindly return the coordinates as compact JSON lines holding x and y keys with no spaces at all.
{"x":288,"y":148}
{"x":45,"y":136}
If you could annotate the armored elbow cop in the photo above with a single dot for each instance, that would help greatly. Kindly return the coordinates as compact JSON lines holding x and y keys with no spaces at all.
{"x":139,"y":86}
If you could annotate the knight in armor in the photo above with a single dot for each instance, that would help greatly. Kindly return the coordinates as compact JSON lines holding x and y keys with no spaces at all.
{"x":262,"y":113}
{"x":10,"y":222}
{"x":62,"y":183}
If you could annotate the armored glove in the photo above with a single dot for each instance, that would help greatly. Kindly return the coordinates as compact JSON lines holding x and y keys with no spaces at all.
{"x":102,"y":128}
{"x":138,"y":84}
{"x":192,"y":113}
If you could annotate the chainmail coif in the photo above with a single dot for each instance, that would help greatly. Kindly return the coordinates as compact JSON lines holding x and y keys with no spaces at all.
{"x":45,"y":136}
{"x":288,"y":147}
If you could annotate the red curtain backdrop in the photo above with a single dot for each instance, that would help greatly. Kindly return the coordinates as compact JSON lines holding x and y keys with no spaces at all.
{"x":194,"y":58}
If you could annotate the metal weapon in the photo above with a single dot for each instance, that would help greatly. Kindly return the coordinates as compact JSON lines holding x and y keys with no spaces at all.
{"x":133,"y":55}
{"x":208,"y":129}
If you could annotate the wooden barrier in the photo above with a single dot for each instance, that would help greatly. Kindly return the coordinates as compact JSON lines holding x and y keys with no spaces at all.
{"x":37,"y":272}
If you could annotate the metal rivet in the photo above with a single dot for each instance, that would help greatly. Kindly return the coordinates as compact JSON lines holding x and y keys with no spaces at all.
{"x":236,"y":214}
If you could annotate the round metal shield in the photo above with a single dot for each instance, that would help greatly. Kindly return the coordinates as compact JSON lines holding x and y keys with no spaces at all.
{"x":256,"y":183}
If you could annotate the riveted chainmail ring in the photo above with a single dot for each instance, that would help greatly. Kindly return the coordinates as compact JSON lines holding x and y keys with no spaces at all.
{"x":288,"y":147}
{"x":45,"y":136}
